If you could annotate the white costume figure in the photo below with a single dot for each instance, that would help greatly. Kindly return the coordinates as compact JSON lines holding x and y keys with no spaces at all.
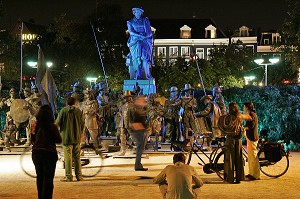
{"x":90,"y":110}
{"x":123,"y":123}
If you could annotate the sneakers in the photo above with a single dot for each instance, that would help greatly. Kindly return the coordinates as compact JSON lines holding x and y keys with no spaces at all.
{"x":65,"y":179}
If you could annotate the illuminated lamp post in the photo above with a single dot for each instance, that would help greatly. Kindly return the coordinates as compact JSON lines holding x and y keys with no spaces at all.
{"x":33,"y":64}
{"x":262,"y":62}
{"x":248,"y":79}
{"x":92,"y":80}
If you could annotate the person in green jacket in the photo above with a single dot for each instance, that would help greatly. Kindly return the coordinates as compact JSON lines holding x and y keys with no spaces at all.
{"x":71,"y":124}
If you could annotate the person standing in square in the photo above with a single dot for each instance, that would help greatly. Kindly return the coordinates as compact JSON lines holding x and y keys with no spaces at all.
{"x":71,"y":123}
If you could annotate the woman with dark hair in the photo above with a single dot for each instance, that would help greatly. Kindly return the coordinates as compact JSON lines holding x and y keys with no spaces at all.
{"x":233,"y":163}
{"x":252,"y":138}
{"x":44,"y":155}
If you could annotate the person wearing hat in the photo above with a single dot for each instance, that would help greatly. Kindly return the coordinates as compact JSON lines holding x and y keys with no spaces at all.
{"x":171,"y":116}
{"x":188,"y":103}
{"x":8,"y":101}
{"x":90,"y":110}
{"x":140,"y":44}
{"x":212,"y":110}
{"x":32,"y":106}
{"x":123,"y":122}
{"x":218,"y":98}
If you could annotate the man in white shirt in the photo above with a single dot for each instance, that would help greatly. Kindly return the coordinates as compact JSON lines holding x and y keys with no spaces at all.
{"x":176,"y":181}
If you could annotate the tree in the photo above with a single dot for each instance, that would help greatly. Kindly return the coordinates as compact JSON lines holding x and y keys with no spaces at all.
{"x":230,"y":63}
{"x":10,"y":56}
{"x":290,"y":44}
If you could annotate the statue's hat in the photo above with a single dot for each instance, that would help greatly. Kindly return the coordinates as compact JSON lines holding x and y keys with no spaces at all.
{"x":217,"y":89}
{"x":173,"y":89}
{"x":12,"y":90}
{"x":137,"y":8}
{"x":188,"y":87}
{"x":127,"y":93}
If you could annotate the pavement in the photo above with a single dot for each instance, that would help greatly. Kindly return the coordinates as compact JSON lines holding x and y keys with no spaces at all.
{"x":118,"y":179}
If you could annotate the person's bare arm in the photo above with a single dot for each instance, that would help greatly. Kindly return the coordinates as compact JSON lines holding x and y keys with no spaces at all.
{"x":245,"y":117}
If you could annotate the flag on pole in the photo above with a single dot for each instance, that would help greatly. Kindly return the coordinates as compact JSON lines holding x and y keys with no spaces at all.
{"x":45,"y":82}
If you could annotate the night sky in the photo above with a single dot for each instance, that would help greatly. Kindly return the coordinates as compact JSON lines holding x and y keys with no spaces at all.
{"x":266,"y":14}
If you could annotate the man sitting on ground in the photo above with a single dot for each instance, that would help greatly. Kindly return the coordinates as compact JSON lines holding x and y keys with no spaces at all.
{"x":175,"y":181}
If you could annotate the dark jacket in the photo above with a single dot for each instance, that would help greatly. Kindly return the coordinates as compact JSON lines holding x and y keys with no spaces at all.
{"x":46,"y":137}
{"x":252,"y":130}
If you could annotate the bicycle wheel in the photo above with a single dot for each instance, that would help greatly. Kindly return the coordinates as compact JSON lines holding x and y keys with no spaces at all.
{"x":91,"y":161}
{"x":219,"y":165}
{"x":26,"y":162}
{"x":274,"y":169}
{"x":189,"y":157}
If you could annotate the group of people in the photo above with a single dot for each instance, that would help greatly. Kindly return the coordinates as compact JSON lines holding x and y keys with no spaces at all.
{"x":20,"y":115}
{"x":231,"y":126}
{"x":181,"y":180}
{"x":137,"y":117}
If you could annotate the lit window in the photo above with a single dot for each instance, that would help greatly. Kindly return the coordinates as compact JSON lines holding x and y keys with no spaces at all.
{"x":161,"y":51}
{"x":244,"y":31}
{"x":276,"y":38}
{"x":173,"y":51}
{"x":210,"y":32}
{"x":185,"y":51}
{"x":185,"y":32}
{"x":208,"y":51}
{"x":200,"y":53}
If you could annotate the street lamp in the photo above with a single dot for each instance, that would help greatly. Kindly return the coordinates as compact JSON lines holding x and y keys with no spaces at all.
{"x":262,"y":62}
{"x":92,"y":80}
{"x":33,"y":64}
{"x":248,"y":79}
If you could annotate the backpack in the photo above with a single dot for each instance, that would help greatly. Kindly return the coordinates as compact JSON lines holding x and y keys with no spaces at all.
{"x":230,"y":125}
{"x":272,"y":151}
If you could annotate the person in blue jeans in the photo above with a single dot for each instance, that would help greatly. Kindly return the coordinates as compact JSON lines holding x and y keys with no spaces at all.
{"x":137,"y":125}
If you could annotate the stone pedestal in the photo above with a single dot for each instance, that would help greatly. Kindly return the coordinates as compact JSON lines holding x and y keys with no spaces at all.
{"x":148,"y":86}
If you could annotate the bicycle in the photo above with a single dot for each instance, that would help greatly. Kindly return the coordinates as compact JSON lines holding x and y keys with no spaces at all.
{"x":215,"y":158}
{"x":271,"y":168}
{"x":91,"y":160}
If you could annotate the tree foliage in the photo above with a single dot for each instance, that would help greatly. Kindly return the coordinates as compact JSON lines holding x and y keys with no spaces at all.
{"x":278,"y":109}
{"x":290,"y":44}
